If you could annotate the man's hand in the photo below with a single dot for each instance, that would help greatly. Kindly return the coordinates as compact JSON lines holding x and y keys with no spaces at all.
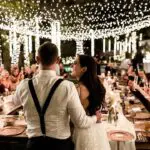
{"x":99,"y":116}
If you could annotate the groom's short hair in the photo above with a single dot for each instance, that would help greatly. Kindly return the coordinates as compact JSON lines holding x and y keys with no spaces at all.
{"x":48,"y":53}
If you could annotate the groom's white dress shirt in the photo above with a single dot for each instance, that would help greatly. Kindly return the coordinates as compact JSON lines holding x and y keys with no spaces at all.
{"x":65,"y":104}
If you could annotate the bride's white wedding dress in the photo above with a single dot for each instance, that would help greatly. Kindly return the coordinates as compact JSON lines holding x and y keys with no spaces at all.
{"x":93,"y":138}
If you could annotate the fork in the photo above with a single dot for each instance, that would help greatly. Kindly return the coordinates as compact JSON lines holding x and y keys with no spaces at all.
{"x":141,"y":137}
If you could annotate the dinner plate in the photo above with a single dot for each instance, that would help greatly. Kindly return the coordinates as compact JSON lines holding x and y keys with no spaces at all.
{"x":118,"y":135}
{"x":11,"y":130}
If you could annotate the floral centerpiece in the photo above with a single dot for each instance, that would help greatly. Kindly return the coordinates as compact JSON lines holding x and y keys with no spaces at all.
{"x":114,"y":106}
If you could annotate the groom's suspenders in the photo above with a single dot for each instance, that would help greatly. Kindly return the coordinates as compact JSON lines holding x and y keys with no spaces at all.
{"x":41,"y":111}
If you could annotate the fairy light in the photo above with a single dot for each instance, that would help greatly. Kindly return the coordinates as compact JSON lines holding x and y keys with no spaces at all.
{"x":141,"y":36}
{"x":126,"y":40}
{"x":37,"y":40}
{"x":133,"y":41}
{"x":10,"y":43}
{"x":140,"y":39}
{"x":109,"y":45}
{"x":68,"y":60}
{"x":75,"y":20}
{"x":53,"y":32}
{"x":120,"y":48}
{"x":75,"y":14}
{"x":115,"y":47}
{"x":14,"y":51}
{"x":129,"y":44}
{"x":79,"y":47}
{"x":30,"y":44}
{"x":26,"y":50}
{"x":92,"y":42}
{"x":58,"y":36}
{"x":146,"y":60}
{"x":104,"y":48}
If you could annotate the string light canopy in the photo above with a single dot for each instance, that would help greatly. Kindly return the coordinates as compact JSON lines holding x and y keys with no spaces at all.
{"x":77,"y":17}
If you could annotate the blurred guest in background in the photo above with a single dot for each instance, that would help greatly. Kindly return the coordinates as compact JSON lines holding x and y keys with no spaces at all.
{"x":98,"y":64}
{"x":27,"y":72}
{"x":16,"y":76}
{"x":6,"y":81}
{"x":126,"y":62}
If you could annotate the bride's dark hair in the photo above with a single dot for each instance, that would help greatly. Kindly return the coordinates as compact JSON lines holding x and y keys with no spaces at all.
{"x":91,"y":81}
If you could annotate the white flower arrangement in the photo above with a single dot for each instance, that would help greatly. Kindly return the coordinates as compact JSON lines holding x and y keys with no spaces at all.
{"x":114,"y":106}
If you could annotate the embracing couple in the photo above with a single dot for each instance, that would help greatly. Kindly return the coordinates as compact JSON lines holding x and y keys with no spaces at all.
{"x":49,"y":103}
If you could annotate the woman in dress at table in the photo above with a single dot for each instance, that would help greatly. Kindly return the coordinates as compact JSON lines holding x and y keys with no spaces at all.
{"x":6,"y":80}
{"x":92,"y":94}
{"x":16,"y":76}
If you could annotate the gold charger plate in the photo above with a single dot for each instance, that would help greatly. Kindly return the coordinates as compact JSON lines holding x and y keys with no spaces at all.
{"x":136,"y":106}
{"x":147,"y":134}
{"x":142,"y":126}
{"x":118,"y":135}
{"x":142,"y":115}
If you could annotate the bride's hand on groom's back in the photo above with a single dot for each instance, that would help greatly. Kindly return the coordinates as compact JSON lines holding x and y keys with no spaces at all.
{"x":99,"y":116}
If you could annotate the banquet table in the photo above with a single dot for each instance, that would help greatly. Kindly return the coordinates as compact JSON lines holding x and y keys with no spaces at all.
{"x":17,"y":142}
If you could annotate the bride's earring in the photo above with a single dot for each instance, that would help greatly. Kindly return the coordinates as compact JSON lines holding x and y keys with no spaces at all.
{"x":84,"y":69}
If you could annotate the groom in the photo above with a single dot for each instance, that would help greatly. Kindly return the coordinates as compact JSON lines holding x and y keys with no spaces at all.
{"x":48,"y":103}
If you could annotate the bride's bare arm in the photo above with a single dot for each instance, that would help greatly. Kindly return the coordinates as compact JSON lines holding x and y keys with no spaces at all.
{"x":83,"y":94}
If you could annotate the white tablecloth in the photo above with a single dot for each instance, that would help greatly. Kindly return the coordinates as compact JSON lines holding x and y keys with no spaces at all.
{"x":124,"y":125}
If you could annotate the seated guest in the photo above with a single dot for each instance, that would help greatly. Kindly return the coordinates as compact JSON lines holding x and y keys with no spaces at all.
{"x":6,"y":80}
{"x":16,"y":76}
{"x":34,"y":69}
{"x":27,"y":72}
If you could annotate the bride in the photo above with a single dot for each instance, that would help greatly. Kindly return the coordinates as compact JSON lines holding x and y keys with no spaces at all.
{"x":92,"y":94}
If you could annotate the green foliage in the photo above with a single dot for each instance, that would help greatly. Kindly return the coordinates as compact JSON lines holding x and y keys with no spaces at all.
{"x":32,"y":58}
{"x":147,"y":47}
{"x":6,"y":60}
{"x":21,"y":57}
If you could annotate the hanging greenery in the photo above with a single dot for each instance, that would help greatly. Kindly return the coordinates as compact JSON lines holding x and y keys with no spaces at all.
{"x":6,"y":60}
